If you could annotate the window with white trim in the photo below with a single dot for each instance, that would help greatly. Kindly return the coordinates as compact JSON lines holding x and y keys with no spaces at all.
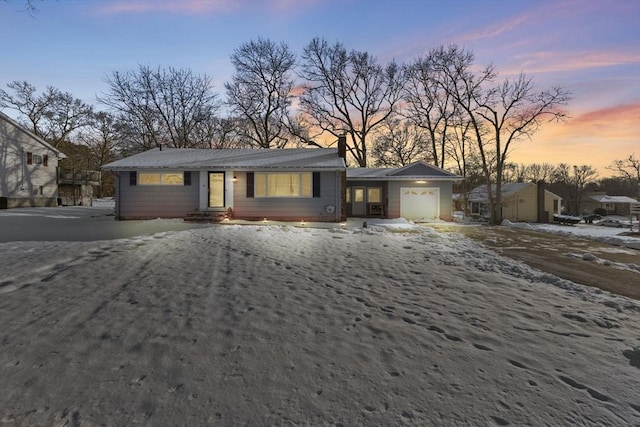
{"x":37,"y":159}
{"x":374,"y":195}
{"x":283,"y":184}
{"x":158,"y":178}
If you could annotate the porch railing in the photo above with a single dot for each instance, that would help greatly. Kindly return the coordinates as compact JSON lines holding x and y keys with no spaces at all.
{"x":72,"y":176}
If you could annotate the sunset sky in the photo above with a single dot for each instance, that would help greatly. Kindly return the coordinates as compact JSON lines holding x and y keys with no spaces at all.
{"x":591,"y":48}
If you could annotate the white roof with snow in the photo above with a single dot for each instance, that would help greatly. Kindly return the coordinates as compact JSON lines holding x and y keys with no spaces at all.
{"x":247,"y":158}
{"x":603,"y":198}
{"x":509,"y":189}
{"x":417,"y":170}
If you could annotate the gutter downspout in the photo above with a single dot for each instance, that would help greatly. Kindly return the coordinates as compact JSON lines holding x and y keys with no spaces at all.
{"x":117,"y":209}
{"x":22,"y":169}
{"x":338,"y":211}
{"x":342,"y":179}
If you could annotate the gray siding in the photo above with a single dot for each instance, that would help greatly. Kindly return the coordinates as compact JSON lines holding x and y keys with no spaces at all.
{"x":446,"y":197}
{"x":155,"y":201}
{"x":289,"y":209}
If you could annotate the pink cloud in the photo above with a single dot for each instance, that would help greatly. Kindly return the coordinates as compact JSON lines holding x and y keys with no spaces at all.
{"x":595,"y":138}
{"x":543,"y":62}
{"x":177,"y":6}
{"x":616,"y":123}
{"x":626,"y":118}
{"x":280,"y":7}
{"x":494,"y":30}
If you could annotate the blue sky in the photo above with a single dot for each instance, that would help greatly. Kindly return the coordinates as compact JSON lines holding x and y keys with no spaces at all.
{"x":590,"y":47}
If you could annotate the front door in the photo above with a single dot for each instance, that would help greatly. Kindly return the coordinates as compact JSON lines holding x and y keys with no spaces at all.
{"x":358,"y":202}
{"x":216,"y":189}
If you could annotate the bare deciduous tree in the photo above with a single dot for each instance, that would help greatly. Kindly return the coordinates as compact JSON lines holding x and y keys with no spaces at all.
{"x":222,"y":132}
{"x":571,"y":183}
{"x":162,"y":106}
{"x":629,"y":169}
{"x":514,"y":172}
{"x":103,"y":137}
{"x":399,"y":143}
{"x":260,"y":91}
{"x":540,"y":172}
{"x":429,"y":105}
{"x":53,"y":115}
{"x":29,"y":6}
{"x":348,"y":93}
{"x":500,"y":114}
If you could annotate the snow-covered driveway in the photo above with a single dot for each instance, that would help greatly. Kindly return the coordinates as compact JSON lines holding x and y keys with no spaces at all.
{"x":279,"y":325}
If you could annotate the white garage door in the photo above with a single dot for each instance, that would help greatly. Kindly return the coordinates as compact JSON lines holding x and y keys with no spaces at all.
{"x":419,"y":203}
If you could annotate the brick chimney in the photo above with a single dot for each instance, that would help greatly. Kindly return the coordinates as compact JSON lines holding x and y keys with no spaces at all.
{"x":543,"y":216}
{"x":342,"y":146}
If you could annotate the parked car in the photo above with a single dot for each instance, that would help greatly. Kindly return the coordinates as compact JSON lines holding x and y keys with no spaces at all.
{"x":611,"y":223}
{"x":566,"y":219}
{"x":588,"y":219}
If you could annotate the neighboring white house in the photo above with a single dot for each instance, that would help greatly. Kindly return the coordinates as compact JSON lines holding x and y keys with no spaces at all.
{"x":613,"y":205}
{"x":521,"y":201}
{"x":28,"y":167}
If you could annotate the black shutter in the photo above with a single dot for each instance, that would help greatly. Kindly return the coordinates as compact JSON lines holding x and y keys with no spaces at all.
{"x":45,"y":160}
{"x":249,"y":184}
{"x":187,"y":178}
{"x":133,"y":178}
{"x":29,"y":158}
{"x":316,"y":184}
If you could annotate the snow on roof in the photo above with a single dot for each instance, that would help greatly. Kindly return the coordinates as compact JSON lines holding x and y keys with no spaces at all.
{"x":508,"y":189}
{"x":246,"y":158}
{"x":603,"y":198}
{"x":416,"y":170}
{"x":32,"y":135}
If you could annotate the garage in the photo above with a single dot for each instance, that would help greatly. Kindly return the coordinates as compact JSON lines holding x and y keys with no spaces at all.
{"x":418,"y":191}
{"x":419,"y":203}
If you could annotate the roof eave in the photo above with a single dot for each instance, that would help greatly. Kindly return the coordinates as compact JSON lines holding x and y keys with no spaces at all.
{"x":35,"y":137}
{"x":234,"y":168}
{"x":405,"y":178}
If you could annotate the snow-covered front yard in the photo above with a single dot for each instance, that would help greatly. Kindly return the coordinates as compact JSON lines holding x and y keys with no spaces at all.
{"x":395,"y":324}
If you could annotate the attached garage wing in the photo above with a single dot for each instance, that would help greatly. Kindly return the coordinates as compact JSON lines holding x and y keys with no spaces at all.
{"x":417,"y":203}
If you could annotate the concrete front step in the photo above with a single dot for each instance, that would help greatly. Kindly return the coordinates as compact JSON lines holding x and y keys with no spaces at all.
{"x":205,"y":216}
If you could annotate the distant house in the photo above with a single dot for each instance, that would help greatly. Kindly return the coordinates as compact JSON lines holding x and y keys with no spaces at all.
{"x":418,"y":191}
{"x":613,"y":205}
{"x":75,"y":187}
{"x":254,"y":184}
{"x":521,"y":201}
{"x":28,"y":167}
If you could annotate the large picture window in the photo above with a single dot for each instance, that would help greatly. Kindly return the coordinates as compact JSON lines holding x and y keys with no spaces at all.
{"x":156,"y":178}
{"x":288,"y":184}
